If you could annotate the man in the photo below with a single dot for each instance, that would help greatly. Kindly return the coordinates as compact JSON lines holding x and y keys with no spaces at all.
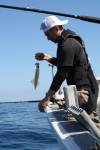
{"x":72,"y":64}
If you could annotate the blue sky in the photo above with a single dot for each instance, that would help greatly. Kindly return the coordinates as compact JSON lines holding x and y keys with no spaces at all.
{"x":21,"y":38}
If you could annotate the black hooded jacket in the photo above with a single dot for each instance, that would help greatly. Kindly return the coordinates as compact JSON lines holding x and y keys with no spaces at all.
{"x":73,"y":65}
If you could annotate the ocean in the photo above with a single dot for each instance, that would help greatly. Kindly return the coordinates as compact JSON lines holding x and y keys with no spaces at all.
{"x":23,"y":127}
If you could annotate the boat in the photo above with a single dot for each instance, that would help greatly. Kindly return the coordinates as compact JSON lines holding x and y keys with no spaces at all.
{"x":73,"y":127}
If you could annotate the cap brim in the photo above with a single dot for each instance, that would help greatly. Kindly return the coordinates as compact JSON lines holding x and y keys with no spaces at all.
{"x":64,"y":22}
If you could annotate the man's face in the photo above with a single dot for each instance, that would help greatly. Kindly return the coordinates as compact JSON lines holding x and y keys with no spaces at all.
{"x":52,"y":34}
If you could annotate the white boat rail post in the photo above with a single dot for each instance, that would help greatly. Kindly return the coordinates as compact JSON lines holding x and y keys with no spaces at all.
{"x":70,"y":96}
{"x":98,"y":101}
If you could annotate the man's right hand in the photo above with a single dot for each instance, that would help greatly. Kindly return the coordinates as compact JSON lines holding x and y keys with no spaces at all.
{"x":42,"y":56}
{"x":39,"y":56}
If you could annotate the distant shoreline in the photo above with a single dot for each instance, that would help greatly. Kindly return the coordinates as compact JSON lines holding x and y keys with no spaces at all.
{"x":28,"y":101}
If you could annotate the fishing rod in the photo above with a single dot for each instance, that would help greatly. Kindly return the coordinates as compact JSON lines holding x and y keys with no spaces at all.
{"x":85,"y":18}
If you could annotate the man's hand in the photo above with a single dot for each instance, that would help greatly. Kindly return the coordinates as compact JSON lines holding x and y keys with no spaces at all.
{"x":42,"y":56}
{"x":43,"y":104}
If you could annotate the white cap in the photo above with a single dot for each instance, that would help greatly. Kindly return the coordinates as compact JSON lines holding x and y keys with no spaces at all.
{"x":50,"y":22}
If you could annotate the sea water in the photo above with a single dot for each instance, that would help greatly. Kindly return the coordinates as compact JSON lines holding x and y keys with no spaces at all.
{"x":23,"y":127}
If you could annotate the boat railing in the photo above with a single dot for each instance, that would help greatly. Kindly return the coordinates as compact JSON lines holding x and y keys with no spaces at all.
{"x":72,"y":106}
{"x":98,"y":100}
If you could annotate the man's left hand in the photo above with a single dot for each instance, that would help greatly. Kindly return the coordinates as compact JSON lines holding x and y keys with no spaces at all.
{"x":43,"y":104}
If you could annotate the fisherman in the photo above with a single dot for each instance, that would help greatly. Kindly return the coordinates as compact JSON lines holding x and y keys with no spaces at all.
{"x":72,"y":64}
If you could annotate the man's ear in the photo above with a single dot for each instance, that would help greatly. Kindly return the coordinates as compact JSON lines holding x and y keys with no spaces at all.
{"x":57,"y":28}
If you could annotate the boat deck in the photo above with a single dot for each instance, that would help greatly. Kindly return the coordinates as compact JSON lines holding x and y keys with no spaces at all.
{"x":69,"y":131}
